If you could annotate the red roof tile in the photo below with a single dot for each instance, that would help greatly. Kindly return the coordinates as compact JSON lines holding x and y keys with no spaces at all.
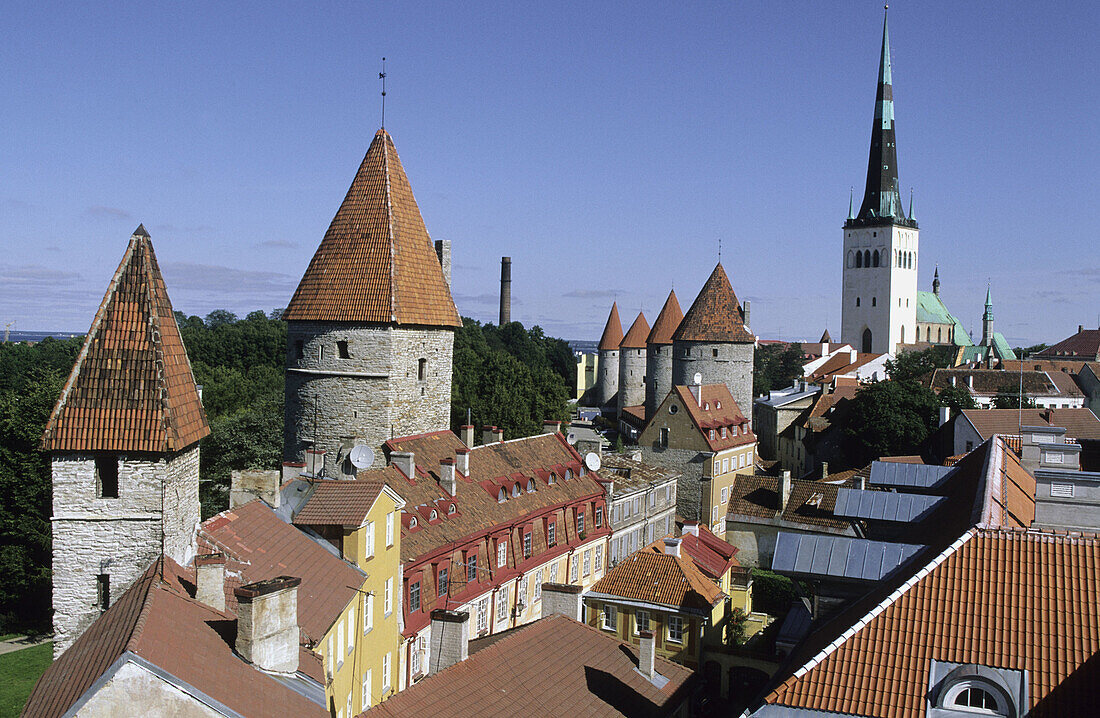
{"x":811,"y":502}
{"x":1085,"y":344}
{"x":376,"y":262}
{"x":339,"y":503}
{"x":1078,"y":423}
{"x":667,"y":321}
{"x":717,"y":410}
{"x":635,"y":337}
{"x":716,"y":315}
{"x":131,"y":388}
{"x":660,"y":578}
{"x":612,"y":331}
{"x":710,"y":554}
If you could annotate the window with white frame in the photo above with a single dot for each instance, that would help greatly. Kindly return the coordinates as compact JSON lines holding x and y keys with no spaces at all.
{"x":580,"y":522}
{"x":588,"y":562}
{"x":551,"y":534}
{"x":387,"y":598}
{"x":351,"y":628}
{"x":483,"y":614}
{"x":369,"y":539}
{"x":714,"y":514}
{"x":649,"y":533}
{"x":636,"y":505}
{"x":502,"y":604}
{"x":527,"y":544}
{"x":368,"y":613}
{"x":386,"y":660}
{"x":574,"y":566}
{"x":414,"y":596}
{"x":471,"y":568}
{"x":414,"y":660}
{"x":609,"y":617}
{"x":725,"y":465}
{"x":599,"y":516}
{"x":599,"y":558}
{"x":444,"y":582}
{"x":367,"y":687}
{"x":741,"y":461}
{"x":748,"y":457}
{"x":538,"y":585}
{"x":389,"y":529}
{"x":526,"y":589}
{"x":331,"y":653}
{"x":652,"y":499}
{"x":973,"y":697}
{"x":675,"y":629}
{"x":725,"y":495}
{"x":502,"y":552}
{"x":554,"y":572}
{"x":339,"y":644}
{"x":641,"y":621}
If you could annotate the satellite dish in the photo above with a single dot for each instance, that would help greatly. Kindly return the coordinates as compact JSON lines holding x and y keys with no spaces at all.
{"x":698,"y":378}
{"x":571,"y":438}
{"x":362,"y":456}
{"x":592,"y":461}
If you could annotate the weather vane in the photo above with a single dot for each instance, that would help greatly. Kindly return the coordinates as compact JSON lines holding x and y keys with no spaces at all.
{"x":382,"y":77}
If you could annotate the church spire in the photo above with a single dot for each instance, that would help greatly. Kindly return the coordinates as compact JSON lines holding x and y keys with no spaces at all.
{"x":881,"y":199}
{"x":936,"y":281}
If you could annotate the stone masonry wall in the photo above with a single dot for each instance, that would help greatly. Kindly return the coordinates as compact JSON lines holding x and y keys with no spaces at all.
{"x":181,"y":505}
{"x":632,"y":377}
{"x":658,"y":376}
{"x":732,"y":366}
{"x":607,"y":376}
{"x":369,"y":397}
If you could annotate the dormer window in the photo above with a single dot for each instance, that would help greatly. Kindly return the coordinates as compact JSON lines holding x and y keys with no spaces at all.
{"x":568,"y":474}
{"x":433,"y":515}
{"x":501,"y":496}
{"x":717,"y":405}
{"x":412,"y":522}
{"x":515,"y":490}
{"x":451,"y":509}
{"x":972,"y":689}
{"x":724,"y":432}
{"x":530,"y":486}
{"x":553,"y":478}
{"x":712,"y":434}
{"x":706,"y":406}
{"x":973,"y":698}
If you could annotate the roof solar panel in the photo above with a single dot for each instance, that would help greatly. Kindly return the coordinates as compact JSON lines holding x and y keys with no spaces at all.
{"x":885,"y":505}
{"x":901,"y":475}
{"x":839,"y":556}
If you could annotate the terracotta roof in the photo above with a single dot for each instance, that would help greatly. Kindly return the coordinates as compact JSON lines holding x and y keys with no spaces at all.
{"x":159,"y":621}
{"x":991,"y":381}
{"x":636,"y":335}
{"x":718,"y":410}
{"x":492,"y":466}
{"x":660,"y":578}
{"x":1078,"y":423}
{"x":339,"y":503}
{"x":1048,"y":365}
{"x":376,"y":262}
{"x":259,"y":545}
{"x":1017,"y":600}
{"x":612,"y":331}
{"x":825,"y":402}
{"x":758,"y":497}
{"x":552,"y":666}
{"x":716,"y":315}
{"x":841,"y":363}
{"x":131,"y":388}
{"x":1085,"y":344}
{"x":634,"y":415}
{"x":667,"y":321}
{"x":710,"y":554}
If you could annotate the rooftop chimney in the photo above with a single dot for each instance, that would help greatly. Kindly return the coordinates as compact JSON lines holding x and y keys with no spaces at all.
{"x":462,"y":461}
{"x":443,"y":252}
{"x":505,"y":290}
{"x":293,"y":469}
{"x":210,"y":580}
{"x":784,"y":490}
{"x":647,"y":654}
{"x":561,"y":598}
{"x":315,"y":461}
{"x":449,"y":636}
{"x":853,"y":356}
{"x":491,"y":435}
{"x":824,"y":469}
{"x":970,"y":380}
{"x":945,"y":415}
{"x":447,"y":476}
{"x":746,"y":308}
{"x":672,"y":546}
{"x":244,"y":486}
{"x":691,"y":527}
{"x":466,"y":434}
{"x":1080,"y":328}
{"x":551,"y":427}
{"x":404,"y":460}
{"x":697,"y":392}
{"x":267,"y":623}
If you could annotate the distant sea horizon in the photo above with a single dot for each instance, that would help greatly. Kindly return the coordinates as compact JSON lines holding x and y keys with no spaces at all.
{"x":22,"y":336}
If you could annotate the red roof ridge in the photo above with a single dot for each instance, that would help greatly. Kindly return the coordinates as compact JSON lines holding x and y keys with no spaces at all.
{"x":612,"y":331}
{"x":636,"y":336}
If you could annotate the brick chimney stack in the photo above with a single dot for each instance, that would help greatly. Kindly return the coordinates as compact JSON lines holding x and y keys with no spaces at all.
{"x":647,"y":654}
{"x":505,"y":290}
{"x":447,"y":480}
{"x":267,"y":623}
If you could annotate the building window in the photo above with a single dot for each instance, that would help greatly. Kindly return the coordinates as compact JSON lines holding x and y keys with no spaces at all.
{"x":857,"y":301}
{"x":366,"y":690}
{"x":723,"y":432}
{"x":637,"y":504}
{"x":609,"y":617}
{"x":386,"y":672}
{"x":321,"y":352}
{"x":568,"y":474}
{"x":483,"y":615}
{"x":725,"y":465}
{"x":874,"y":301}
{"x":725,"y":495}
{"x":588,"y":563}
{"x":368,"y":613}
{"x":412,"y":522}
{"x":502,"y":604}
{"x":471,"y":568}
{"x":675,"y":629}
{"x":389,"y":529}
{"x":387,"y":598}
{"x":422,"y":369}
{"x":574,"y":567}
{"x":349,"y":714}
{"x":714,"y":352}
{"x":641,"y":621}
{"x":530,"y":486}
{"x":103,"y":591}
{"x":527,"y":544}
{"x":342,"y":350}
{"x":554,"y":572}
{"x":443,"y":586}
{"x":599,"y":558}
{"x":339,"y":645}
{"x":368,"y":535}
{"x":599,"y":516}
{"x":329,"y":655}
{"x":106,"y":476}
{"x":538,"y":586}
{"x":972,"y":697}
{"x":501,"y":496}
{"x":515,"y":490}
{"x":414,"y":596}
{"x":663,"y":437}
{"x":711,"y":434}
{"x":552,"y":534}
{"x":502,"y":553}
{"x":580,"y":522}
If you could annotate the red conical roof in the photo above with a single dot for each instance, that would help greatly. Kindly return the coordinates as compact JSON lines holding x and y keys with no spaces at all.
{"x":635,"y":338}
{"x":612,"y":331}
{"x":131,"y":388}
{"x":667,"y":321}
{"x":716,"y":315}
{"x":376,"y":262}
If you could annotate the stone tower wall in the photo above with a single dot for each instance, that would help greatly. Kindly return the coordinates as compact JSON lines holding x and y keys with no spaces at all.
{"x":658,"y":373}
{"x":719,"y":363}
{"x":632,"y":377}
{"x":607,"y":375}
{"x":119,"y":537}
{"x":372,"y":395}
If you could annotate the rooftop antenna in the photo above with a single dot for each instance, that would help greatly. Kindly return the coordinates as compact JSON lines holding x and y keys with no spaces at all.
{"x":382,"y":77}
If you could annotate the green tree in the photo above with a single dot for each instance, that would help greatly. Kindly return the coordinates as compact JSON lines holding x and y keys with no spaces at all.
{"x":249,"y":438}
{"x":915,"y":365}
{"x":889,"y":418}
{"x":1008,"y":397}
{"x":775,"y":366}
{"x":957,"y":398}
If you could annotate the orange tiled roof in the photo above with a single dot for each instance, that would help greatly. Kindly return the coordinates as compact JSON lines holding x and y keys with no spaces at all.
{"x":660,"y":578}
{"x":718,"y":410}
{"x":131,"y":388}
{"x":635,"y":336}
{"x":1079,"y":423}
{"x":710,"y":554}
{"x":376,"y":262}
{"x":667,"y":321}
{"x":612,"y":331}
{"x":158,"y":620}
{"x":1020,"y":600}
{"x":716,"y":315}
{"x":339,"y":503}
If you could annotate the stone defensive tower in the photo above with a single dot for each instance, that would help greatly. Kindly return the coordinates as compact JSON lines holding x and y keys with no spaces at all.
{"x":879,"y":309}
{"x":607,"y":372}
{"x":632,"y":364}
{"x":371,"y":326}
{"x":124,"y":448}
{"x":714,"y":340}
{"x":658,"y":359}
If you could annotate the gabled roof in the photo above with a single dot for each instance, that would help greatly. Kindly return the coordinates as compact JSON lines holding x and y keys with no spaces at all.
{"x":710,"y":554}
{"x":157,"y":620}
{"x":258,"y":545}
{"x":1079,"y":423}
{"x":667,"y":321}
{"x":713,"y":410}
{"x":131,"y":388}
{"x":658,"y":577}
{"x":811,"y":503}
{"x":992,"y":381}
{"x":841,"y":363}
{"x":553,"y":666}
{"x":612,"y":332}
{"x":635,"y":337}
{"x":339,"y":503}
{"x":932,"y":310}
{"x":715,"y":315}
{"x":1019,"y":600}
{"x":1085,"y":344}
{"x":825,"y":338}
{"x":376,"y":262}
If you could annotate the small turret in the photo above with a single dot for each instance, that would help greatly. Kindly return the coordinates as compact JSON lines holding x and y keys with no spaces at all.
{"x":987,"y":321}
{"x":936,"y":281}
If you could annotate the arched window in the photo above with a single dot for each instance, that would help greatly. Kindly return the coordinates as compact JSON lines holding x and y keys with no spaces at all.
{"x":975,"y":696}
{"x":433,"y":515}
{"x":515,"y":490}
{"x":850,"y":260}
{"x":867,"y":341}
{"x":568,"y":474}
{"x":412,"y":522}
{"x":866,"y":258}
{"x":859,"y":260}
{"x":553,"y":478}
{"x":874,"y":259}
{"x":450,"y":509}
{"x":530,"y":486}
{"x":939,"y":335}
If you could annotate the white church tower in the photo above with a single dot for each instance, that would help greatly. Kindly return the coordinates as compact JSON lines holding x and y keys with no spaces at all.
{"x":880,"y":242}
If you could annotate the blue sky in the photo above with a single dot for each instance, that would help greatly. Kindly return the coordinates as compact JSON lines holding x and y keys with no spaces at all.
{"x":605,"y":147}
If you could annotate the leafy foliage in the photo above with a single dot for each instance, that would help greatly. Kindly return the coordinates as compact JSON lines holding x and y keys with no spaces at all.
{"x":775,"y":366}
{"x":1009,"y":397}
{"x":957,"y":398}
{"x":774,"y":593}
{"x":889,"y":418}
{"x":915,"y":365}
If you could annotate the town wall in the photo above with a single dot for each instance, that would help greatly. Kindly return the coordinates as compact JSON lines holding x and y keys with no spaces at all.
{"x":719,"y":363}
{"x":632,"y":377}
{"x":607,"y":376}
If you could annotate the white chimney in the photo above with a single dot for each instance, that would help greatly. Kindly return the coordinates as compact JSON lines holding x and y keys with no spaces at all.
{"x":292,"y":470}
{"x":462,"y":461}
{"x":405,"y":461}
{"x":945,"y":415}
{"x":466,"y":434}
{"x":784,"y":490}
{"x":210,"y":580}
{"x":267,"y":623}
{"x":450,"y":639}
{"x":647,"y":654}
{"x":562,"y":598}
{"x":315,"y":461}
{"x":672,"y":546}
{"x":697,"y":392}
{"x":970,"y":380}
{"x":853,"y":356}
{"x":691,"y":527}
{"x":447,"y":480}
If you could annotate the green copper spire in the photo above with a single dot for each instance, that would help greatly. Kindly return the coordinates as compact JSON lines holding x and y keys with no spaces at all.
{"x":881,"y":199}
